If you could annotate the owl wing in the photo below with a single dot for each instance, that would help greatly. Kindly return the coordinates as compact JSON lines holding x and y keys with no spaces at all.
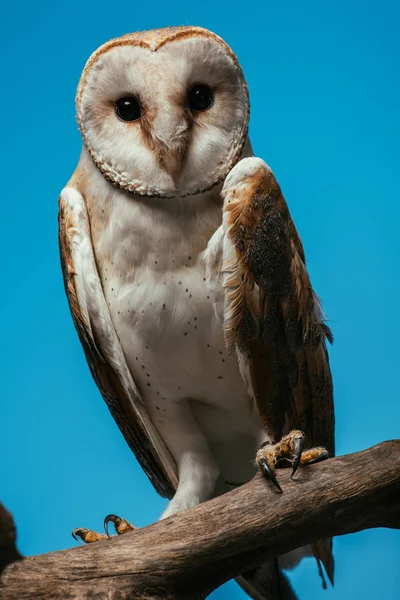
{"x":101,"y":344}
{"x":272,"y":318}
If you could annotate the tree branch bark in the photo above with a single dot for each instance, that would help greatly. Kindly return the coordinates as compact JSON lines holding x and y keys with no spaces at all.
{"x":190,"y":554}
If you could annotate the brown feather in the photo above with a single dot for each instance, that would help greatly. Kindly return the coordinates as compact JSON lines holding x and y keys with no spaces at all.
{"x":286,"y":349}
{"x":267,"y":582}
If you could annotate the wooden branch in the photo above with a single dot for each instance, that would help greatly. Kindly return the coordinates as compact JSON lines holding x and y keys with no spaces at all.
{"x":190,"y":554}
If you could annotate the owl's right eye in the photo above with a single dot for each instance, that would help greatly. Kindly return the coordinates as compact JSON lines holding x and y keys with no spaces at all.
{"x":128,"y":108}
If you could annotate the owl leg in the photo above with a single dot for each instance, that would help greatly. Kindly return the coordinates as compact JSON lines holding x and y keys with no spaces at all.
{"x":197,"y":469}
{"x":88,"y":536}
{"x":289,"y":449}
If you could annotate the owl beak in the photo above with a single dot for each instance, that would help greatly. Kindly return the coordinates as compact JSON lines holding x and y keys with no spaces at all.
{"x":173,"y":165}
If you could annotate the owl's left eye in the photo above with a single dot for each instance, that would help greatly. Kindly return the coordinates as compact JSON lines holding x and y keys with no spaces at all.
{"x":200,"y":97}
{"x":128,"y":108}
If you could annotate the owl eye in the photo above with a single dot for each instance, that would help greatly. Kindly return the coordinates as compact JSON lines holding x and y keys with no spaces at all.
{"x":200,"y":97}
{"x":128,"y":108}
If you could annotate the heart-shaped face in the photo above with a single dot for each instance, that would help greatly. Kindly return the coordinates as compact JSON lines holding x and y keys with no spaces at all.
{"x":165,"y":112}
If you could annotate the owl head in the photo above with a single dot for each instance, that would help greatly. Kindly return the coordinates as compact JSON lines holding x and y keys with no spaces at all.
{"x":164,"y":113}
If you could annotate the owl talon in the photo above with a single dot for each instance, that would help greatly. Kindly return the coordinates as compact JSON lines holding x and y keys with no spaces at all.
{"x":318,"y":454}
{"x":289,"y":449}
{"x":121,"y":525}
{"x":78,"y":531}
{"x":87,"y":536}
{"x":268,"y":472}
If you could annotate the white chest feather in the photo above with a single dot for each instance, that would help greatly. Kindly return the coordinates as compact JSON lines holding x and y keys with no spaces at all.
{"x":148,"y":254}
{"x":154,"y":283}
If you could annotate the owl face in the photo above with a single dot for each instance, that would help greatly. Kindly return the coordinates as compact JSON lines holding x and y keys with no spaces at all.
{"x":164,"y":113}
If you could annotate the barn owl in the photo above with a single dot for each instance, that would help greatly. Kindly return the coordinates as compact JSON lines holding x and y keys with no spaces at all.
{"x":187,"y":282}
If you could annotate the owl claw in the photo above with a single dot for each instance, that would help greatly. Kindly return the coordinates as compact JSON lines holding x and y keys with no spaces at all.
{"x":268,"y":472}
{"x":315,"y":455}
{"x":289,"y":449}
{"x":87,"y":536}
{"x":121,"y":525}
{"x":298,"y":449}
{"x":79,"y":531}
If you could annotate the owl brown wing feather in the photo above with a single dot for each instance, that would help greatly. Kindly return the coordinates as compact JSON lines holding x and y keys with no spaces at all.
{"x":101,"y":345}
{"x":267,"y":582}
{"x":272,"y":317}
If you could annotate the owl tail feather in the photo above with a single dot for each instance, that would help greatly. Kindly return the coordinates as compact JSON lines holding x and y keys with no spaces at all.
{"x":267,"y":582}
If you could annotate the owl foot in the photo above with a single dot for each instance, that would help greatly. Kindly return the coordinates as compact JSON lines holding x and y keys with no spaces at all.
{"x":289,"y":449}
{"x":88,"y":536}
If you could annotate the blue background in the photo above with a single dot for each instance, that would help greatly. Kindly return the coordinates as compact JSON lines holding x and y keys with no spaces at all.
{"x":324,"y":84}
